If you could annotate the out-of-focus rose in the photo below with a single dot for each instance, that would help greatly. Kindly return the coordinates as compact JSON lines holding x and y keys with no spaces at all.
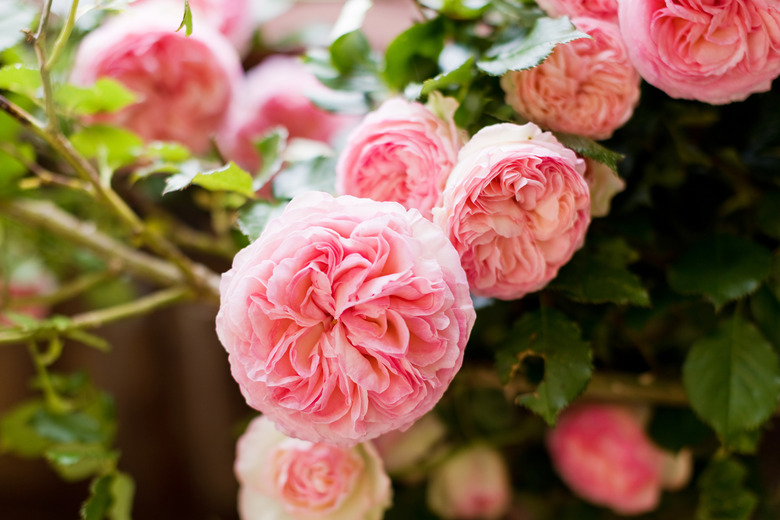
{"x":232,"y":18}
{"x":603,"y":454}
{"x":276,"y":93}
{"x":587,"y":87}
{"x":183,"y":84}
{"x":716,"y":52}
{"x":28,"y":279}
{"x":472,"y":484}
{"x":516,"y":207}
{"x":401,"y":451}
{"x":402,"y":152}
{"x":289,"y":479}
{"x":676,"y":469}
{"x":601,"y":9}
{"x":604,"y":184}
{"x":347,"y":318}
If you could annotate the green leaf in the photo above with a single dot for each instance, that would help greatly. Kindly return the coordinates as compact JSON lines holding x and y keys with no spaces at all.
{"x":317,"y":174}
{"x":767,"y":216}
{"x":349,"y":51}
{"x":721,"y":268}
{"x":524,"y":53}
{"x":11,"y":169}
{"x":70,"y":427}
{"x":413,"y":55}
{"x":186,"y":21}
{"x":117,"y":146}
{"x":253,"y":218}
{"x":111,"y":497}
{"x":458,"y":9}
{"x":765,"y":309}
{"x":18,"y":436}
{"x":122,"y":492}
{"x":598,"y":274}
{"x":551,"y":336}
{"x":79,"y":461}
{"x":270,"y":148}
{"x":732,"y":378}
{"x":459,"y":77}
{"x":21,"y":79}
{"x":590,"y":149}
{"x":230,"y":177}
{"x":105,"y":95}
{"x":723,"y":495}
{"x":14,"y":17}
{"x":98,"y":504}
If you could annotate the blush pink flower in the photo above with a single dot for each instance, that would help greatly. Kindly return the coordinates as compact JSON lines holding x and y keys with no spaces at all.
{"x":277,"y":93}
{"x":516,"y":208}
{"x":183,"y":84}
{"x":603,"y":454}
{"x":289,"y":479}
{"x":472,"y":484}
{"x":402,"y":152}
{"x":587,"y":87}
{"x":347,"y":318}
{"x":603,"y":184}
{"x":716,"y":52}
{"x":602,"y":9}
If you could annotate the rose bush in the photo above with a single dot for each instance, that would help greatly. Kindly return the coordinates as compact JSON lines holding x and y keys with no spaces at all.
{"x":289,"y":479}
{"x":346,"y":319}
{"x":516,"y":207}
{"x":587,"y":87}
{"x":716,"y":52}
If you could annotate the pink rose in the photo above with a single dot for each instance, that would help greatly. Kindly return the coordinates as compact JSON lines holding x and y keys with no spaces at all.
{"x":716,"y":52}
{"x":183,"y":84}
{"x":402,"y":152}
{"x":473,"y":483}
{"x":587,"y":87}
{"x":346,"y":319}
{"x":604,"y":184}
{"x":290,"y":479}
{"x":603,"y":454}
{"x":276,"y":93}
{"x":516,"y":207}
{"x":28,"y":279}
{"x":602,"y":9}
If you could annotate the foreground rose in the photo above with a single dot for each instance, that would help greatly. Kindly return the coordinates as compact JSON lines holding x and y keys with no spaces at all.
{"x":516,"y":207}
{"x":346,"y":319}
{"x":473,"y":483}
{"x":601,"y":9}
{"x":717,"y":52}
{"x":402,"y":152}
{"x":276,"y":93}
{"x":289,"y":479}
{"x":602,"y":453}
{"x":183,"y":84}
{"x":587,"y":87}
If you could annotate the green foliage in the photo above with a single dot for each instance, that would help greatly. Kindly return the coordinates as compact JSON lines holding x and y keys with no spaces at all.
{"x":317,"y":174}
{"x":110,"y":146}
{"x":230,"y":177}
{"x":21,"y":79}
{"x":413,"y":55}
{"x":186,"y":22}
{"x":270,"y":148}
{"x":110,"y":498}
{"x":254,"y":217}
{"x":590,"y":149}
{"x":105,"y":95}
{"x":723,"y":495}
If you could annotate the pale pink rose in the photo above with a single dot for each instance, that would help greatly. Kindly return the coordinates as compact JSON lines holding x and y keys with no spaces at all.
{"x":587,"y":87}
{"x":277,"y":93}
{"x":183,"y":84}
{"x":516,"y":207}
{"x":403,"y":451}
{"x":601,"y":9}
{"x":716,"y":52}
{"x":232,"y":18}
{"x":282,"y":478}
{"x":402,"y":152}
{"x":346,"y":319}
{"x":602,"y":453}
{"x":604,"y":184}
{"x":472,"y":484}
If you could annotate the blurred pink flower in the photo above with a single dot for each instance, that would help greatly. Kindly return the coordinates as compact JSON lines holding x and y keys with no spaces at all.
{"x":288,"y":479}
{"x":402,"y":451}
{"x":587,"y":87}
{"x":602,"y":9}
{"x":28,"y":279}
{"x":346,"y":319}
{"x":716,"y":52}
{"x":516,"y":207}
{"x":604,"y":184}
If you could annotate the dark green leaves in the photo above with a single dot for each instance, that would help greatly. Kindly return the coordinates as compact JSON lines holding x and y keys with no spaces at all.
{"x":723,"y":493}
{"x":551,"y":336}
{"x":590,"y":149}
{"x":413,"y":55}
{"x":732,"y":379}
{"x":110,"y":497}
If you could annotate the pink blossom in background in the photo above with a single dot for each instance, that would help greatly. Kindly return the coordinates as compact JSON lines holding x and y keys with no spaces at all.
{"x":183,"y":84}
{"x":603,"y":454}
{"x":602,"y":9}
{"x":516,"y":207}
{"x":402,"y":152}
{"x":716,"y":52}
{"x":289,"y":479}
{"x":347,"y":318}
{"x":403,"y":451}
{"x":604,"y":184}
{"x":587,"y":87}
{"x":276,"y":93}
{"x":472,"y":484}
{"x":28,"y":279}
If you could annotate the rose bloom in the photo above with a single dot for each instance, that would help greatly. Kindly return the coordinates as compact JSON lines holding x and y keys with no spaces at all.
{"x":602,"y":9}
{"x":603,"y":454}
{"x":473,"y":483}
{"x":402,"y":152}
{"x":587,"y":87}
{"x":276,"y":93}
{"x":604,"y":184}
{"x":183,"y":85}
{"x":716,"y":52}
{"x":516,"y":207}
{"x":347,"y":318}
{"x":289,"y":479}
